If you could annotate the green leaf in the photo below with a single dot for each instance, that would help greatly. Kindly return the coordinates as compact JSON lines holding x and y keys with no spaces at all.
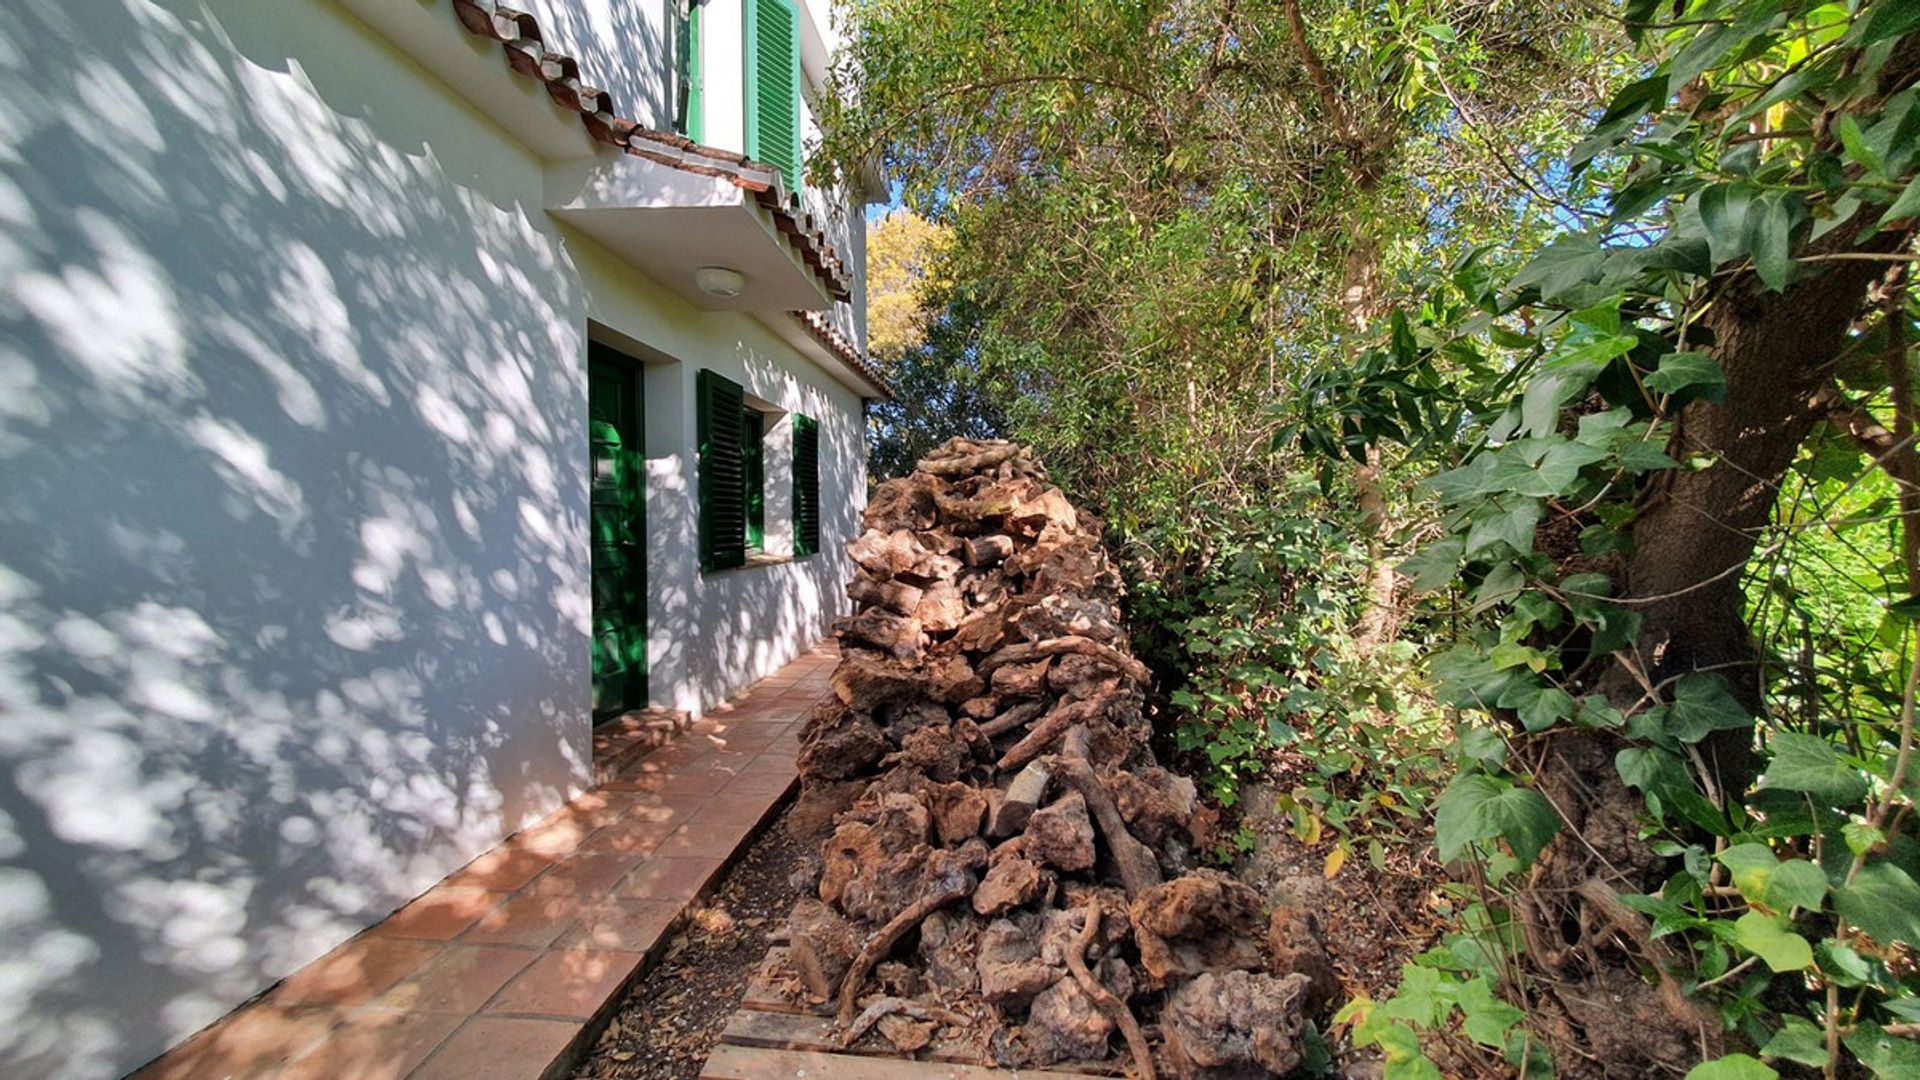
{"x":1884,"y":902}
{"x":1780,"y":886}
{"x":1677,"y":371}
{"x":1858,"y":149}
{"x":1544,"y":707}
{"x":1434,"y":567}
{"x":1798,"y":1040}
{"x":1508,"y":521}
{"x":1907,"y":205}
{"x":1732,"y":1067}
{"x":1702,"y":705}
{"x":1723,"y":213}
{"x":1889,"y":1057}
{"x":1770,"y":938}
{"x":1890,"y":20}
{"x":1561,"y":268}
{"x":1477,"y":808}
{"x":1488,"y":1018}
{"x":1771,"y":240}
{"x":1811,"y":764}
{"x":1541,"y":468}
{"x":1642,"y":457}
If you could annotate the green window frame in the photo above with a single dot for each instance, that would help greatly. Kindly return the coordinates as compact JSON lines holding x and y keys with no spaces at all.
{"x":719,"y":411}
{"x":806,"y":486}
{"x":753,"y":434}
{"x":772,"y":65}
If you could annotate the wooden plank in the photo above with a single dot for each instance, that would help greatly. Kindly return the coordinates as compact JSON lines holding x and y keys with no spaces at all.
{"x":764,"y":992}
{"x":742,"y":1063}
{"x":817,"y":1034}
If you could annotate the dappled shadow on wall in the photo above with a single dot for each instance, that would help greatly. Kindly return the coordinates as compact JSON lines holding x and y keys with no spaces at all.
{"x":293,"y":598}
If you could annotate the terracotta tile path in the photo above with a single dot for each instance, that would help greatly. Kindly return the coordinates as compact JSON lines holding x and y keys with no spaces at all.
{"x":499,"y":971}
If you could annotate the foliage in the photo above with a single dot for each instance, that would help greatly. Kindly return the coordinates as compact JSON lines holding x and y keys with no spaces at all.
{"x":903,"y":252}
{"x":1170,"y":225}
{"x":939,"y":392}
{"x":1768,"y":141}
{"x":1254,"y":640}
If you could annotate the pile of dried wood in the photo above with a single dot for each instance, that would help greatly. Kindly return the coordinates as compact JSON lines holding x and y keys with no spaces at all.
{"x":1004,"y":862}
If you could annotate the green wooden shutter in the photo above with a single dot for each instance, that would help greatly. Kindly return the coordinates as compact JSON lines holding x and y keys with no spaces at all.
{"x":723,"y":509}
{"x":773,"y":86}
{"x":753,"y":433}
{"x":806,"y":485}
{"x":688,"y":106}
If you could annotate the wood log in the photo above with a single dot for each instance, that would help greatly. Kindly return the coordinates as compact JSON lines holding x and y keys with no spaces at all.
{"x":986,"y":550}
{"x":1139,"y":870}
{"x":900,"y":636}
{"x":895,"y":596}
{"x":1015,"y":717}
{"x":1048,"y":731}
{"x":1021,"y":799}
{"x":1103,"y":999}
{"x":821,"y":946}
{"x":1024,"y":652}
{"x":883,"y":942}
{"x":980,"y":461}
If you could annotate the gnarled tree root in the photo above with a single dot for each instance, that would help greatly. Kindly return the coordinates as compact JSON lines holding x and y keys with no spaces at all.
{"x":1103,"y":999}
{"x":887,"y":1006}
{"x":883,"y":942}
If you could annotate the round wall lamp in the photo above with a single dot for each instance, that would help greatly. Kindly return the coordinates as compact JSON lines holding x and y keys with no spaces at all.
{"x":719,"y":281}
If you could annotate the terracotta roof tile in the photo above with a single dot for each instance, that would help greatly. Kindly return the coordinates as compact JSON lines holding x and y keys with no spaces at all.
{"x":821,"y":328}
{"x":519,"y":36}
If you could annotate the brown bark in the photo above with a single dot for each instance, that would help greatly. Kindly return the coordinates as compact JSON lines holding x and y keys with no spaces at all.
{"x":1697,"y":529}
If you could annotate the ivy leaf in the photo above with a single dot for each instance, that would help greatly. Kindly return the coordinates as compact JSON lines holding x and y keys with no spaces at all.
{"x":1780,"y":886}
{"x":1477,"y":808}
{"x":1810,"y":764}
{"x":1732,"y":1067}
{"x":1702,"y":705}
{"x":1542,"y":707}
{"x":1723,"y":213}
{"x":1541,"y":468}
{"x":1679,"y":370}
{"x":1488,"y":1018}
{"x":1434,"y":567}
{"x":1798,"y":1040}
{"x":1508,"y":521}
{"x":1884,"y":902}
{"x":1890,"y":1057}
{"x":1639,"y":457}
{"x":1769,"y":938}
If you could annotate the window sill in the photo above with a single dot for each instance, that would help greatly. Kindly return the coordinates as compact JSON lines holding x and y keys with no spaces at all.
{"x":765,"y":558}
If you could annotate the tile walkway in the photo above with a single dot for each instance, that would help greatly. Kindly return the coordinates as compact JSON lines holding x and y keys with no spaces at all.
{"x":501,"y":971}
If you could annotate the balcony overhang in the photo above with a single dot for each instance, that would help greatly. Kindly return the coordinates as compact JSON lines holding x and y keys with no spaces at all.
{"x":669,"y":224}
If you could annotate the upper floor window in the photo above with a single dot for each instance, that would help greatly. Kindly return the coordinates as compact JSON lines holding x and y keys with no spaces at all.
{"x":772,"y":64}
{"x":683,"y":36}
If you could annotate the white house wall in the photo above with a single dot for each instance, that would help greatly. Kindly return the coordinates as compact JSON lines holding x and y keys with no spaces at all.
{"x":711,"y":634}
{"x":294,"y":575}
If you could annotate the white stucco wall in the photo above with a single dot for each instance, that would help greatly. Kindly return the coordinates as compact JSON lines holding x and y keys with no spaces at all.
{"x":711,"y":634}
{"x":293,"y":557}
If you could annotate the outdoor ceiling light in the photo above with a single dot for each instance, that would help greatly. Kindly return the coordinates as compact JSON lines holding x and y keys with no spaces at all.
{"x":719,"y":281}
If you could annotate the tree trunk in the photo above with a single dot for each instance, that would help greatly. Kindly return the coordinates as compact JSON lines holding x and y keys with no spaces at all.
{"x":1697,"y":530}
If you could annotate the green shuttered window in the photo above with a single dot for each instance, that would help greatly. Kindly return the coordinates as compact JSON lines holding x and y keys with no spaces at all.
{"x":806,"y":485}
{"x":753,"y":433}
{"x":723,"y":505}
{"x":773,"y":86}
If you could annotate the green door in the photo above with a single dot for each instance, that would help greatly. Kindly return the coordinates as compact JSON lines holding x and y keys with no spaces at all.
{"x":619,"y":532}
